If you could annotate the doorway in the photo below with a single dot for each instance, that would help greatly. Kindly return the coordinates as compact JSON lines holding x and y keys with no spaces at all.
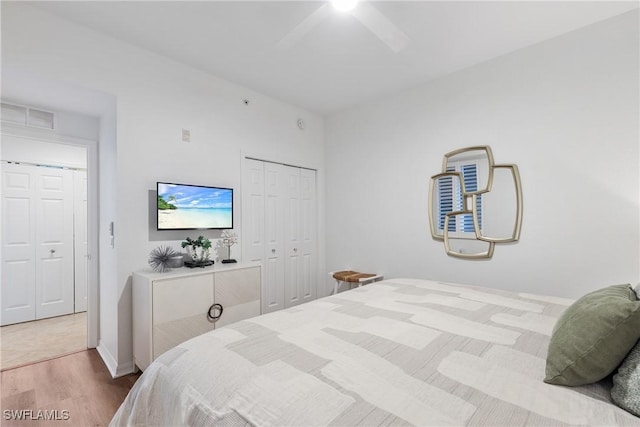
{"x":45,"y":250}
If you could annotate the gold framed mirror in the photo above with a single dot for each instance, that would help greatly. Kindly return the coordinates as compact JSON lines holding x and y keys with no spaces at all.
{"x":501,"y":207}
{"x":474,"y":203}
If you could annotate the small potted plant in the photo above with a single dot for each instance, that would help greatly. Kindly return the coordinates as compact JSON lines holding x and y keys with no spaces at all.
{"x":198,"y":249}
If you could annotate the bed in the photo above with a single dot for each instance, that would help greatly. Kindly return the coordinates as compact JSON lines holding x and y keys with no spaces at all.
{"x":396,"y":352}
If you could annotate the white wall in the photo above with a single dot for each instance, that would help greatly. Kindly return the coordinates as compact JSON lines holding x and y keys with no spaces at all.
{"x":66,"y":123}
{"x":33,"y":149}
{"x":565,"y":111}
{"x":42,"y":152}
{"x":156,"y":99}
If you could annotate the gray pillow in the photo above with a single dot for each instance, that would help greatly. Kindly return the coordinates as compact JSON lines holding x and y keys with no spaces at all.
{"x":626,"y":383}
{"x":593,"y":336}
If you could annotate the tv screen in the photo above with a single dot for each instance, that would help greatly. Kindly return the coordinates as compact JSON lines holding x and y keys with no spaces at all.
{"x":188,"y":207}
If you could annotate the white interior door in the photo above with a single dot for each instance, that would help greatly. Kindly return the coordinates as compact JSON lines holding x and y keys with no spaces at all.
{"x":253,"y":227}
{"x":81,"y":240}
{"x":291,"y":216}
{"x":54,"y":242}
{"x":253,"y":210}
{"x":280,"y":229}
{"x":307,"y":281}
{"x":274,"y":264}
{"x":18,"y":244}
{"x":300,"y":236}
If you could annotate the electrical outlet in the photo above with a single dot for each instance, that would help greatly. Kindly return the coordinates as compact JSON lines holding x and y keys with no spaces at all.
{"x":186,"y":135}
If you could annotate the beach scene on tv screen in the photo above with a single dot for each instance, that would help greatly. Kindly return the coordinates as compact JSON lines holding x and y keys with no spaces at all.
{"x":186,"y":206}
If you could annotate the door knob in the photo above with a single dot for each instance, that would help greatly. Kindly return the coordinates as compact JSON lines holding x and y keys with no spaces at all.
{"x":53,"y":251}
{"x":273,"y":251}
{"x":295,"y":249}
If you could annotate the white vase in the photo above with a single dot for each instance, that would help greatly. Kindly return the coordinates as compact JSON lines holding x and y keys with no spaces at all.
{"x":198,"y":254}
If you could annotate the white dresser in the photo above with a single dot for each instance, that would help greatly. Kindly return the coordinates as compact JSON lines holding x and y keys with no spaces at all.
{"x":170,"y":308}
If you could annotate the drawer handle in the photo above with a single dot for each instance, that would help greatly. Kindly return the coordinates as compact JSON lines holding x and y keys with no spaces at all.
{"x":211,"y":313}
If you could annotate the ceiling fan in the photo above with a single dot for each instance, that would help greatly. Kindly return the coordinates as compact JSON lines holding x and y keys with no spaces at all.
{"x":367,"y":14}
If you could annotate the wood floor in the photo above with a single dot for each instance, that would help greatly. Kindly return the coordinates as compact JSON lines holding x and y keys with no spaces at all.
{"x":39,"y":340}
{"x":79,"y":384}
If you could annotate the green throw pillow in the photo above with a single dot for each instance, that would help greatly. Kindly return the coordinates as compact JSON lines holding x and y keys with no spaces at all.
{"x":593,"y":336}
{"x":626,"y":383}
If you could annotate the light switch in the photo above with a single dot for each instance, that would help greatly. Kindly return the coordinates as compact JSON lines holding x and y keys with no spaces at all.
{"x":186,"y":135}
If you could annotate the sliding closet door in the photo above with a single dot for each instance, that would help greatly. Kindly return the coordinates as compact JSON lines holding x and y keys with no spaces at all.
{"x":308,"y":236}
{"x":262,"y":224}
{"x":37,"y":243}
{"x":253,"y":210}
{"x":274,"y":255}
{"x":279,"y":228}
{"x":291,"y":216}
{"x":300,"y":236}
{"x":18,"y":244}
{"x":54,"y":242}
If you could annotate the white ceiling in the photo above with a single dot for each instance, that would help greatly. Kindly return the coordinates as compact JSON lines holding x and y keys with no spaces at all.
{"x":339,"y":63}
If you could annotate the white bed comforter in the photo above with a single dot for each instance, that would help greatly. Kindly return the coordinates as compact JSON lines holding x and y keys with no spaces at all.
{"x":397,"y":352}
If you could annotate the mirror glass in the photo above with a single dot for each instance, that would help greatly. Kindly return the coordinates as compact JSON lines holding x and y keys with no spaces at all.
{"x":501,"y":207}
{"x":469,"y":248}
{"x":475,"y":165}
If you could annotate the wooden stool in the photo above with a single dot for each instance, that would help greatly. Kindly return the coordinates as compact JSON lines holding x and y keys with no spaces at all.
{"x":350,"y":276}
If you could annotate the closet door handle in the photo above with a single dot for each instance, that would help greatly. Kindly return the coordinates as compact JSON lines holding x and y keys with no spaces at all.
{"x":273,"y":251}
{"x":211,"y":314}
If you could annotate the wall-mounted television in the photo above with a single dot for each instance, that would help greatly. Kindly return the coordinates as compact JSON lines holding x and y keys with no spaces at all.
{"x":191,"y":207}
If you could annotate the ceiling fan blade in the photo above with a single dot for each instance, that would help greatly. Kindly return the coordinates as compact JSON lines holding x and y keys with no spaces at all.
{"x":381,"y":26}
{"x":303,"y":27}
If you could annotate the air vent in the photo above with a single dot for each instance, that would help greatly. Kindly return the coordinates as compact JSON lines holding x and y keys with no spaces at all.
{"x":14,"y":114}
{"x":27,"y":116}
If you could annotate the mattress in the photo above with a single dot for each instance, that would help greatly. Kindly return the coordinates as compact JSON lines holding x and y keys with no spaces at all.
{"x":396,"y":352}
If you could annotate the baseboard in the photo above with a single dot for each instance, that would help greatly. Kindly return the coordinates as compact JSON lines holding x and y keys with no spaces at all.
{"x":112,"y":365}
{"x":107,"y":358}
{"x":125,"y":369}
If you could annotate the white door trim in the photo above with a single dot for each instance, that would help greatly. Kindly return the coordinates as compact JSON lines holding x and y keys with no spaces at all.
{"x":80,"y":245}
